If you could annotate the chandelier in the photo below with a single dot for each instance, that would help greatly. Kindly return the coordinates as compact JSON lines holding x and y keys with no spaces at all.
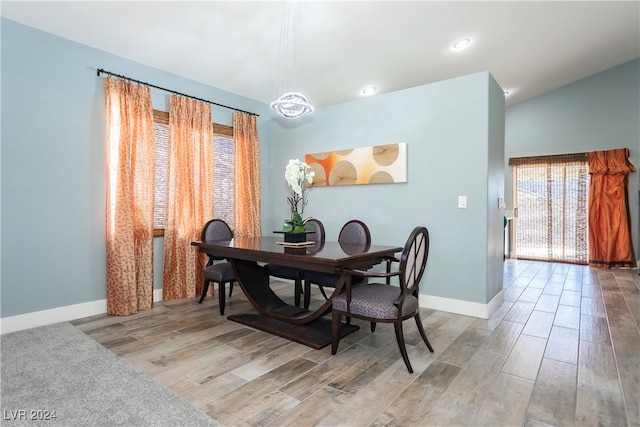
{"x":291,"y":104}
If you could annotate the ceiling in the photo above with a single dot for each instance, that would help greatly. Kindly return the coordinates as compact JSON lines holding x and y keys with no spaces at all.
{"x":529,"y":47}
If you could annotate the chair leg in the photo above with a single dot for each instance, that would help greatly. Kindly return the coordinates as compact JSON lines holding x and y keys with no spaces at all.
{"x":403,"y":349}
{"x":221,"y":297}
{"x":373,"y":327}
{"x":204,"y":291}
{"x":231,"y":287}
{"x":422,"y":332}
{"x":323,"y":293}
{"x":336,"y":319}
{"x":307,"y":294}
{"x":297,"y":291}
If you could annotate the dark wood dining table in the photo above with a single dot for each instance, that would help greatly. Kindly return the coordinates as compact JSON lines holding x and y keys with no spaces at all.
{"x":248,"y":255}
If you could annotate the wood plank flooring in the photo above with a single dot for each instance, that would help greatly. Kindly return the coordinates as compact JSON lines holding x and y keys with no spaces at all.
{"x":562,"y":350}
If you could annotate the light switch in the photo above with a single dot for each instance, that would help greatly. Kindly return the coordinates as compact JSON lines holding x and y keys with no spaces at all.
{"x":462,"y":202}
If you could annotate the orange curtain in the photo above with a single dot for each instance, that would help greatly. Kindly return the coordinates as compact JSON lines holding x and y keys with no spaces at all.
{"x":610,"y":243}
{"x":129,"y":211}
{"x":247,"y":175}
{"x":189,"y":195}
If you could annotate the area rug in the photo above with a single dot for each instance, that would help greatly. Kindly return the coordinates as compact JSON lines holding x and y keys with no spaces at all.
{"x":56,"y":375}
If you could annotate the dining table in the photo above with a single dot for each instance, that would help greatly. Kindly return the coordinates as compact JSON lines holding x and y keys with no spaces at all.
{"x":249,"y":255}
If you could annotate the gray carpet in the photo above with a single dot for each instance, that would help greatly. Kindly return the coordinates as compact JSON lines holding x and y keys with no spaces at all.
{"x":57,"y":368}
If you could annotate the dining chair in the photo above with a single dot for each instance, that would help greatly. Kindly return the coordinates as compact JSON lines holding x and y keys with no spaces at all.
{"x":217,"y":272}
{"x":316,"y":229}
{"x":384,"y":303}
{"x":354,"y":236}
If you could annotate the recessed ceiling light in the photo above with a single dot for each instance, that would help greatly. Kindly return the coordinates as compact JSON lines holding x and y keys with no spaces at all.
{"x":369,"y":90}
{"x":461,"y":44}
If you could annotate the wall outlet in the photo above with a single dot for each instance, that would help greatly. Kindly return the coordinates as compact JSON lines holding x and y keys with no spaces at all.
{"x":462,"y":202}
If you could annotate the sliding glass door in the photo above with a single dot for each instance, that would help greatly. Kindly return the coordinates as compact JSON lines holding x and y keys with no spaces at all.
{"x":551,"y":208}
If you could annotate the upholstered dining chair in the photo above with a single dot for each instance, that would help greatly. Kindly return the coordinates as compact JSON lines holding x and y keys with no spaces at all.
{"x":353,"y":236}
{"x":316,"y":229}
{"x":381,"y":302}
{"x":217,"y":272}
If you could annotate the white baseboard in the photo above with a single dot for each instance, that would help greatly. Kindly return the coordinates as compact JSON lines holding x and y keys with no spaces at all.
{"x":60,"y":314}
{"x":495,"y":303}
{"x":467,"y":308}
{"x":54,"y":315}
{"x":77,"y":311}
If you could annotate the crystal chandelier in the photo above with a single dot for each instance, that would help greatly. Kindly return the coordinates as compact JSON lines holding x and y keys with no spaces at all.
{"x":291,"y":104}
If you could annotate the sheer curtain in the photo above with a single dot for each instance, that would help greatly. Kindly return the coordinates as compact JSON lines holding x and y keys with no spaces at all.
{"x":610,"y":243}
{"x":247,"y":175}
{"x":189,"y":195}
{"x":129,"y":210}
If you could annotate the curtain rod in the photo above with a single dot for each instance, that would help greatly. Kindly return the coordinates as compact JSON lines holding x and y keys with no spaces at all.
{"x":101,"y":71}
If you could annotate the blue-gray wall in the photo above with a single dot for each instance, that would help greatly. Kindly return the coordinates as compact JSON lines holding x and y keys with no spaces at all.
{"x":454,"y":130}
{"x":53,"y":164}
{"x":601,"y":112}
{"x":495,"y":192}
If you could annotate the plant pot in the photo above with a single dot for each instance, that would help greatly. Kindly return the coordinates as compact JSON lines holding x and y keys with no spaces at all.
{"x":291,"y":237}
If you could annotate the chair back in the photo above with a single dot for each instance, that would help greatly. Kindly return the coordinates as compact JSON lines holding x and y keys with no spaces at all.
{"x":317,"y":235}
{"x":354,"y":237}
{"x":414,"y":260}
{"x":216,"y":229}
{"x":355,"y":232}
{"x":315,"y":229}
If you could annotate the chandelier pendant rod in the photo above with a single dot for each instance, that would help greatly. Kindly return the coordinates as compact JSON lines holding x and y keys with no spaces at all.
{"x":289,"y":102}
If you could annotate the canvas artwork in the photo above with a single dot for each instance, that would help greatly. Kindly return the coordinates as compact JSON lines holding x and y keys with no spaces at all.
{"x":378,"y":164}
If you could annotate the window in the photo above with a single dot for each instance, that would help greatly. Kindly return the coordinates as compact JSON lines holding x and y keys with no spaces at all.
{"x":223,"y":207}
{"x":551,"y":204}
{"x":223,"y":172}
{"x":161,"y":132}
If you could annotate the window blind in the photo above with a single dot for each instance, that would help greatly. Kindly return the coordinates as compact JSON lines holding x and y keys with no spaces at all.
{"x":551,"y":202}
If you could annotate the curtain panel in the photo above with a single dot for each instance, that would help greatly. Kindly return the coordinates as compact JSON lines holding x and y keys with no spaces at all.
{"x":129,"y":204}
{"x":247,"y":176}
{"x":189,"y":195}
{"x":610,"y":243}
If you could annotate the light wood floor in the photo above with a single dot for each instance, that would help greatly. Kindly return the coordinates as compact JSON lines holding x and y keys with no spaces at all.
{"x":563,"y":350}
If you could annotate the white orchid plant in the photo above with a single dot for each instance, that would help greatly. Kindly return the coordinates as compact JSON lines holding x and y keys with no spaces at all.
{"x":299,"y":176}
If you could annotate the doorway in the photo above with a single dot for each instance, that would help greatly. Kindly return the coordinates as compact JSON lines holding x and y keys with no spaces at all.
{"x":550,"y":216}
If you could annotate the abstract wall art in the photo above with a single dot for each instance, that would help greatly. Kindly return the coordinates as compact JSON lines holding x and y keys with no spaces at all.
{"x":379,"y":164}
